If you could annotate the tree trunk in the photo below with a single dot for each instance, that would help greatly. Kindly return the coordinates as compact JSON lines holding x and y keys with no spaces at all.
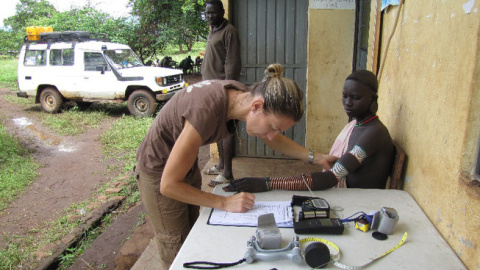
{"x":181,"y":48}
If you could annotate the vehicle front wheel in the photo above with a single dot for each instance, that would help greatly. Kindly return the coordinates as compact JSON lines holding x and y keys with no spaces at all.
{"x":51,"y":100}
{"x":141,"y":103}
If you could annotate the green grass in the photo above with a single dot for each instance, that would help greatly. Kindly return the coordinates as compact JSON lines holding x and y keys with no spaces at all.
{"x":74,"y":121}
{"x":13,"y":255}
{"x":17,"y":170}
{"x":17,"y":167}
{"x":8,"y":73}
{"x":123,"y":139}
{"x":19,"y":101}
{"x":72,"y":254}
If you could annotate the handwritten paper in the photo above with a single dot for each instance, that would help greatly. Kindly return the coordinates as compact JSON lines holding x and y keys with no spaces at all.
{"x":282,"y":211}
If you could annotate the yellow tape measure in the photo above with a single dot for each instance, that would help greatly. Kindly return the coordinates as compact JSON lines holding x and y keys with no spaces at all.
{"x":336,"y":257}
{"x":404,"y":238}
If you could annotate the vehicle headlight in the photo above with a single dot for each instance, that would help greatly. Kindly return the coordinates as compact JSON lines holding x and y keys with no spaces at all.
{"x":161,"y":81}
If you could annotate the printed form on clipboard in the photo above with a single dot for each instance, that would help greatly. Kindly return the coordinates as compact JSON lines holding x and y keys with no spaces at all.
{"x":282,"y":211}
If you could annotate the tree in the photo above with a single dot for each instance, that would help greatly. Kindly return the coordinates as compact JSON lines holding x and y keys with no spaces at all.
{"x":153,"y":24}
{"x":88,"y":19}
{"x":170,"y":22}
{"x":28,"y":11}
{"x":10,"y":42}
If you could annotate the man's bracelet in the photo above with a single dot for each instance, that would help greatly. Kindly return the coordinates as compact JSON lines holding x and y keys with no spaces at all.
{"x":268,"y":184}
{"x":310,"y":156}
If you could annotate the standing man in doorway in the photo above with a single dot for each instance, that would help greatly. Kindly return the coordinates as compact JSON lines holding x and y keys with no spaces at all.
{"x":221,"y":62}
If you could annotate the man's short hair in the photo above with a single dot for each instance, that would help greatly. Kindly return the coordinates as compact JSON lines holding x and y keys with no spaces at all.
{"x":217,"y":3}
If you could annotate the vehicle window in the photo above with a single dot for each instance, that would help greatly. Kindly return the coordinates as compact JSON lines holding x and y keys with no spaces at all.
{"x":94,"y":62}
{"x":122,"y":58}
{"x":34,"y":58}
{"x":61,"y":57}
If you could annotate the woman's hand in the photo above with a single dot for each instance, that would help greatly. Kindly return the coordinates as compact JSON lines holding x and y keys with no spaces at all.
{"x":241,"y":202}
{"x":248,"y":184}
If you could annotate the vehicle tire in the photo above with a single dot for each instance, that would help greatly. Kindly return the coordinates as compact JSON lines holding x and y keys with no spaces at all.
{"x":141,"y":103}
{"x":51,"y":100}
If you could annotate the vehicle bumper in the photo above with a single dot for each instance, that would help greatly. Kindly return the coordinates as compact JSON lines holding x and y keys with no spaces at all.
{"x":22,"y":94}
{"x":167,"y":96}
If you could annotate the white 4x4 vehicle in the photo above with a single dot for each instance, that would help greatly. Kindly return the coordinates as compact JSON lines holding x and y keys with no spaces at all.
{"x":83,"y":67}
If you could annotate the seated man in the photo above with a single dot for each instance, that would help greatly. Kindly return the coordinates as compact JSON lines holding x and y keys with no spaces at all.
{"x":186,"y":65}
{"x":164,"y":62}
{"x":364,"y":147}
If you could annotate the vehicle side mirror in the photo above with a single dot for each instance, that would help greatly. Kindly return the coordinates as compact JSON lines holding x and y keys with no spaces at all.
{"x":101,"y":69}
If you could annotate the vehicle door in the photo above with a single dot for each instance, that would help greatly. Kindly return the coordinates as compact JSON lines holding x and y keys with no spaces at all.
{"x":97,"y":80}
{"x":62,"y":72}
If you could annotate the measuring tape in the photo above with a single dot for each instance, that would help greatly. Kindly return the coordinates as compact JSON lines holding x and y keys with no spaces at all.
{"x":336,"y":257}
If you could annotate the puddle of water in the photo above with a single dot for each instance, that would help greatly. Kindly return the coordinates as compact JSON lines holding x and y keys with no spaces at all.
{"x":50,"y":139}
{"x":22,"y":121}
{"x":64,"y":148}
{"x":47,"y":138}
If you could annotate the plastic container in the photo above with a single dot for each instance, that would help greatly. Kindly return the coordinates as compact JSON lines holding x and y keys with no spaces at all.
{"x":33,"y":32}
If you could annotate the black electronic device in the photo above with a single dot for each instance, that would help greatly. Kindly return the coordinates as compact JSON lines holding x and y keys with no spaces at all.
{"x":319,"y":226}
{"x":312,"y":207}
{"x":315,"y":208}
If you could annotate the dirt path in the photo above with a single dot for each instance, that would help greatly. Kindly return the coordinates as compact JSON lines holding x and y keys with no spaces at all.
{"x":71,"y":171}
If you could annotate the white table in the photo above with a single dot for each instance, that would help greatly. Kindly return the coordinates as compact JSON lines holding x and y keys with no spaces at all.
{"x":424,"y":248}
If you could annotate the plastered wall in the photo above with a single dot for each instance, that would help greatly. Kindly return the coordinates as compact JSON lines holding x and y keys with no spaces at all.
{"x":330,"y":54}
{"x":429,"y":100}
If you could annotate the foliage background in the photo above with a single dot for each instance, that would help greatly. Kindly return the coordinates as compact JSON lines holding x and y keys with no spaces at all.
{"x":152,"y":26}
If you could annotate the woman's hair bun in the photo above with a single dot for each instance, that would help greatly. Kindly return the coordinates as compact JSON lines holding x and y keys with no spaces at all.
{"x":274,"y":71}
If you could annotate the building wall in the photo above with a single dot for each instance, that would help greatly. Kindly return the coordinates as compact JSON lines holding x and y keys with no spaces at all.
{"x":330,"y":54}
{"x":429,"y":100}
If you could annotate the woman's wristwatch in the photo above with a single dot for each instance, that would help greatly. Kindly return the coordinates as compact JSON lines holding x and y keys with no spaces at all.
{"x":310,"y":156}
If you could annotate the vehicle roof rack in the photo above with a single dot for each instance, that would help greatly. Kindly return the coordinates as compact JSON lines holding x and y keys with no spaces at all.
{"x":68,"y":36}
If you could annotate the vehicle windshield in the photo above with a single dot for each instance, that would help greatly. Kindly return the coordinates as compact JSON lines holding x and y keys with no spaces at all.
{"x":123,"y":58}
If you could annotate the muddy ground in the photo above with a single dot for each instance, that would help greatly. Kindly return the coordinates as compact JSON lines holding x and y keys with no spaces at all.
{"x":72,"y":169}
